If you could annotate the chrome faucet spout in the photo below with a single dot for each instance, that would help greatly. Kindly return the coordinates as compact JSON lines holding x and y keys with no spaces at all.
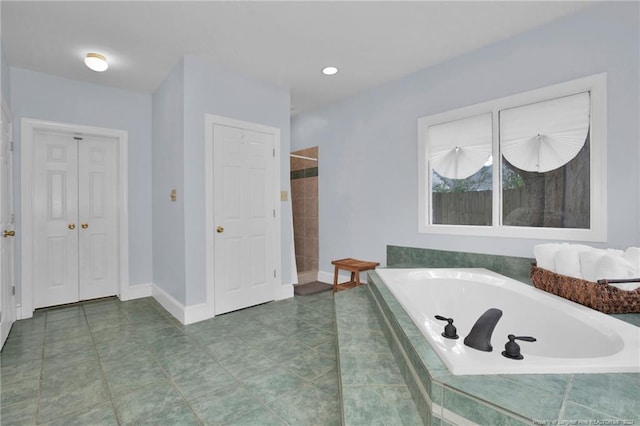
{"x":480,"y":335}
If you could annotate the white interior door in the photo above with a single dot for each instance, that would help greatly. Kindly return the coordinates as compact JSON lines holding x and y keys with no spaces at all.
{"x":244,"y":215}
{"x":97,"y":210}
{"x":74,"y":218}
{"x":7,"y":246}
{"x":55,"y":228}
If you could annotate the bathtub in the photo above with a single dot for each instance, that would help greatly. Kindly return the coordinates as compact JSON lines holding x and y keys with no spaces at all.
{"x":571,"y":338}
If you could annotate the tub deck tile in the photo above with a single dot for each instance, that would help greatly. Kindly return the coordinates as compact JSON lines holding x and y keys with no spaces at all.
{"x":508,"y":394}
{"x":372,"y":388}
{"x":595,"y":391}
{"x":509,"y":399}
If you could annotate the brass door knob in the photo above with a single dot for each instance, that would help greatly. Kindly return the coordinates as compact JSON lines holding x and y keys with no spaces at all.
{"x":84,"y":225}
{"x":71,"y":226}
{"x":219,"y":229}
{"x":8,"y":233}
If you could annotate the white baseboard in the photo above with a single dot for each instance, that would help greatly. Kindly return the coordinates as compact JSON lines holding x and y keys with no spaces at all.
{"x":196,"y":313}
{"x":184,"y":314}
{"x":136,"y":292}
{"x":284,"y":291}
{"x":19,"y":313}
{"x":168,"y":302}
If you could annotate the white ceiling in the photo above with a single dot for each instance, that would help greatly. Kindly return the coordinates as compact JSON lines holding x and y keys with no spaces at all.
{"x":283,"y":42}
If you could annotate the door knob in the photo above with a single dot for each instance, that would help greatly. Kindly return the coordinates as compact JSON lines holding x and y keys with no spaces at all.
{"x":219,"y":229}
{"x":71,"y":226}
{"x":84,"y":225}
{"x":8,"y":233}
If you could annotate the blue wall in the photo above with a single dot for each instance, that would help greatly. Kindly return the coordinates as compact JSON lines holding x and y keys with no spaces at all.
{"x":168,"y":171}
{"x":209,"y":88}
{"x":368,"y":184}
{"x":166,"y":239}
{"x":193,"y":89}
{"x":45,"y":97}
{"x":5,"y":77}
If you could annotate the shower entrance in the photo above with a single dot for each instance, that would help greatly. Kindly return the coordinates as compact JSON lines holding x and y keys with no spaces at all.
{"x":304,"y":199}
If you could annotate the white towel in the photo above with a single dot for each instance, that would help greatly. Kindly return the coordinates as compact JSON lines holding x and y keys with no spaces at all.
{"x":589,"y":263}
{"x":545,"y":255}
{"x":614,"y":267}
{"x":632,"y":255}
{"x":567,"y":259}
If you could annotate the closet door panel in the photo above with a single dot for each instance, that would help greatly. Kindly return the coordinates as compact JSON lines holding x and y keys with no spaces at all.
{"x":98,"y":183}
{"x":55,"y":210}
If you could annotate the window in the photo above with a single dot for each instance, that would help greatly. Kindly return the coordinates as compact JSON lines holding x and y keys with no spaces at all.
{"x":532,"y":165}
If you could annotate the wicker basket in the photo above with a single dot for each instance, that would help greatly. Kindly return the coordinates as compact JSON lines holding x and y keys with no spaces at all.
{"x":600,"y":296}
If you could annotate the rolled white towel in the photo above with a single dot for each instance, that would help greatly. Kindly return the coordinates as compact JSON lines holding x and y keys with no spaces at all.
{"x":614,"y":267}
{"x":589,"y":263}
{"x":545,"y":255}
{"x":567,"y":259}
{"x":632,"y":255}
{"x":615,"y":252}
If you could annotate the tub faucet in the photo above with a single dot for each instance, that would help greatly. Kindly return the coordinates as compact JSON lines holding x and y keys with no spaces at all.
{"x":480,"y":335}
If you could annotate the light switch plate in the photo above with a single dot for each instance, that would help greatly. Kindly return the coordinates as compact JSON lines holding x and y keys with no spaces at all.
{"x":284,"y":195}
{"x":173,"y":195}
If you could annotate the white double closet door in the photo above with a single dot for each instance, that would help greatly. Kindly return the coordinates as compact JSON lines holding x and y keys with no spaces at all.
{"x":75,"y":211}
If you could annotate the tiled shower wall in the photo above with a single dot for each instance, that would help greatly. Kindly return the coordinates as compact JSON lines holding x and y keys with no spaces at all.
{"x":304,"y":198}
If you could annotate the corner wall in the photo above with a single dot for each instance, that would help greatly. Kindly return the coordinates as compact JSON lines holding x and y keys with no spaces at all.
{"x":212,"y":89}
{"x":368,"y":190}
{"x":5,"y":78}
{"x":195,"y":88}
{"x":168,"y":173}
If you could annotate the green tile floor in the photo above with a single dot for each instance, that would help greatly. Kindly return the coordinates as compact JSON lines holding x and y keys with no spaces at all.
{"x":110,"y":362}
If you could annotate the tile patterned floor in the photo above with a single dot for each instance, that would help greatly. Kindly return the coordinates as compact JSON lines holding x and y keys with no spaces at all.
{"x":122,"y":363}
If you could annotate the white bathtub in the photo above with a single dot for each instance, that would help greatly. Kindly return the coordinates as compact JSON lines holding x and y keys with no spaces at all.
{"x":570,"y":338}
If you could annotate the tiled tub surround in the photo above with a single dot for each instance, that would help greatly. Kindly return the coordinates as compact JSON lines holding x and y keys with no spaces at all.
{"x":373,"y":390}
{"x":499,"y":399}
{"x":518,"y":268}
{"x":570,"y":338}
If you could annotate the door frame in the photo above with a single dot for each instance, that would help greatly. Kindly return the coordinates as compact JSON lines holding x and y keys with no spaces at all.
{"x":28,"y":126}
{"x":6,"y":328}
{"x":275,"y":229}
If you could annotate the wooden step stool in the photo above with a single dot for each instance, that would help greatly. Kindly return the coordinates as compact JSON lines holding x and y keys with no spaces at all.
{"x":354,"y":266}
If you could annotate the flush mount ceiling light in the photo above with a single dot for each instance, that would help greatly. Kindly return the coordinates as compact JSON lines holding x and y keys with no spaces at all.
{"x":329,"y":70}
{"x":96,"y":62}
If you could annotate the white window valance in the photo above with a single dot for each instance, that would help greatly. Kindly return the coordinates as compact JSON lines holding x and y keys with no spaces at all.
{"x":546,"y":135}
{"x":458,"y":149}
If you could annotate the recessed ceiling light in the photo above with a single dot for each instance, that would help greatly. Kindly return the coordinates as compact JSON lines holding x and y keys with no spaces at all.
{"x":96,"y":62}
{"x":329,"y":70}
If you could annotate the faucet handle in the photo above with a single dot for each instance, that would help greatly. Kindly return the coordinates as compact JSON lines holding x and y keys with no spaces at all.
{"x":450,"y":331}
{"x":512,"y":349}
{"x":523,"y":338}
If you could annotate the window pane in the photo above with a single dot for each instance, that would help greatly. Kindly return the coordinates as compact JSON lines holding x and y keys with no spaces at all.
{"x":558,"y":198}
{"x":463,"y":201}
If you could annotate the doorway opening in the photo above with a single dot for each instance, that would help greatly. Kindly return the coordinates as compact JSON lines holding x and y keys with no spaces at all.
{"x":304,"y":199}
